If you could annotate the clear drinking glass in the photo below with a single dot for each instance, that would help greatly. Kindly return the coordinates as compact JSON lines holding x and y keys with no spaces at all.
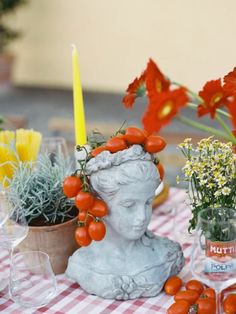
{"x":5,"y":207}
{"x":54,"y":146}
{"x":181,"y":215}
{"x":12,"y":232}
{"x":32,"y":281}
{"x":213,"y":258}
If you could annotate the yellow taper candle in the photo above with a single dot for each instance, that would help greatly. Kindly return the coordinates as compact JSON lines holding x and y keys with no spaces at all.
{"x":79,"y":120}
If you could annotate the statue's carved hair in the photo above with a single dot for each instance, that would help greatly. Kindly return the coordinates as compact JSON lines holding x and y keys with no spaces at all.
{"x":108,"y":172}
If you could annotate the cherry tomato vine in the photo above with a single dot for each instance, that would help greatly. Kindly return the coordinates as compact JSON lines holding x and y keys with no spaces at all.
{"x":92,"y":209}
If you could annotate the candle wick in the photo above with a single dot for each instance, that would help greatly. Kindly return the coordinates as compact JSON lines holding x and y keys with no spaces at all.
{"x":73,"y":46}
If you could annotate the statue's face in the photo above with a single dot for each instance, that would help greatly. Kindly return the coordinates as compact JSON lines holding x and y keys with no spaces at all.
{"x":131,"y":209}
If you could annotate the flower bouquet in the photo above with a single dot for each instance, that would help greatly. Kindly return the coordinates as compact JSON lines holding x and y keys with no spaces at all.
{"x":167,"y":98}
{"x":17,"y":147}
{"x":210,"y":171}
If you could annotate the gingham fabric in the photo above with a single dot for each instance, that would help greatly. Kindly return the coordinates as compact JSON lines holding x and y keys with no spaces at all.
{"x":72,"y":300}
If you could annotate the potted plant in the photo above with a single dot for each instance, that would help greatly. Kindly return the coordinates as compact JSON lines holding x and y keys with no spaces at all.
{"x":37,"y":188}
{"x":6,"y":36}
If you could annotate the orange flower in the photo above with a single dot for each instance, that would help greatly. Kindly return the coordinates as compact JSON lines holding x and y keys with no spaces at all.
{"x":155,"y":80}
{"x":134,"y":90}
{"x":213,"y":96}
{"x":230,"y":83}
{"x":162,"y":108}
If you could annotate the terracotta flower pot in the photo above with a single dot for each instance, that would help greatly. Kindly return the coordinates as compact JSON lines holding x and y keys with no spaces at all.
{"x":57,"y":241}
{"x":6,"y":64}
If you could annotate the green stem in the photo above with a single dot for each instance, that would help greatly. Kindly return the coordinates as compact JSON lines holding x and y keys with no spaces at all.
{"x":226,"y":128}
{"x":220,"y":111}
{"x":223,"y":113}
{"x":199,"y":99}
{"x":120,"y":129}
{"x":203,"y":127}
{"x":193,"y":94}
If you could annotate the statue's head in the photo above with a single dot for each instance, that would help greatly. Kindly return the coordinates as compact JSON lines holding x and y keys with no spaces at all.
{"x":126,"y":181}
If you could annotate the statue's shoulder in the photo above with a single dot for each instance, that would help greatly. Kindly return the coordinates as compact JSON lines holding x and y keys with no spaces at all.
{"x":83,"y":257}
{"x":162,"y":244}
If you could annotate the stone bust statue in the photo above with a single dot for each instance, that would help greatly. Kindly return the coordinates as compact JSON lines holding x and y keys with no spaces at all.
{"x":130,"y":262}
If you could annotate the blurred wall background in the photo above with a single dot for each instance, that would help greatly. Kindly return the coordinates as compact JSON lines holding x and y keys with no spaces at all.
{"x":192,"y":41}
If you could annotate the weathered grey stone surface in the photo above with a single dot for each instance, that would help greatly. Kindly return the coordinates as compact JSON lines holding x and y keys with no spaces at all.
{"x":131,"y":261}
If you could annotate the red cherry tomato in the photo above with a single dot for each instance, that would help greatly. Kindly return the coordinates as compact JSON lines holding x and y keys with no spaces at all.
{"x":82,"y":215}
{"x":98,"y":150}
{"x":99,"y":208}
{"x":97,"y":230}
{"x":120,"y":135}
{"x":146,"y":133}
{"x":134,"y":135}
{"x":71,"y":186}
{"x":89,"y":219}
{"x":188,"y":295}
{"x":116,"y":144}
{"x":154,"y":144}
{"x":229,"y":304}
{"x":85,"y":218}
{"x":206,"y":306}
{"x":161,"y":170}
{"x":179,"y":307}
{"x":195,"y":285}
{"x":84,"y":200}
{"x":82,"y":236}
{"x":173,"y":285}
{"x":209,"y":292}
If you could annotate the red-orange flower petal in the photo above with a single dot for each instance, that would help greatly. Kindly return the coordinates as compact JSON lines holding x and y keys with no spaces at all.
{"x":230,"y":83}
{"x":135,"y":89}
{"x":136,"y":84}
{"x":128,"y":100}
{"x":213,"y":96}
{"x":155,"y":80}
{"x":162,"y":108}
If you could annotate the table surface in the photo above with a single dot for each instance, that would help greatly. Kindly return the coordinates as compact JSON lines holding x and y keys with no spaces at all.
{"x":72,"y":300}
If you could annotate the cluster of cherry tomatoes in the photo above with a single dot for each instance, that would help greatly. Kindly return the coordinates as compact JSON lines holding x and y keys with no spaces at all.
{"x":92,"y":209}
{"x":196,"y":298}
{"x":130,"y":136}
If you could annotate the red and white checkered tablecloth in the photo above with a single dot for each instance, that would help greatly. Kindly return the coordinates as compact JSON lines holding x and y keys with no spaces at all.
{"x":72,"y":300}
